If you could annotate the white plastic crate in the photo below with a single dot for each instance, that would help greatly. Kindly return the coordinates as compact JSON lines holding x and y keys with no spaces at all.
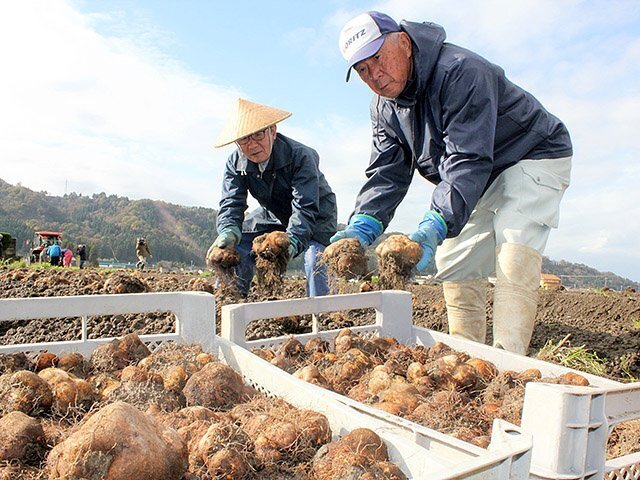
{"x":420,"y":455}
{"x":570,"y":425}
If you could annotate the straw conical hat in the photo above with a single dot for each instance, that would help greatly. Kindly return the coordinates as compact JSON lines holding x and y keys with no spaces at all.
{"x":248,"y":118}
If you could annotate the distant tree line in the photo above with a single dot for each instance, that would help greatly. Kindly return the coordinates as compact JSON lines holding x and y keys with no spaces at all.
{"x":108,"y":224}
{"x":177,"y":235}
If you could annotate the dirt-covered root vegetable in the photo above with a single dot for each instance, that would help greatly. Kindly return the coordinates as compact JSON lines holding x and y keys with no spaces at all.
{"x":280,"y":432}
{"x":216,"y":386}
{"x":398,"y":399}
{"x":69,"y":392}
{"x":465,"y":376}
{"x":292,"y":348}
{"x":311,"y":374}
{"x":75,"y":364}
{"x":571,"y":378}
{"x":143,"y":389}
{"x":450,"y":411}
{"x":175,"y":363}
{"x":23,"y":439}
{"x":222,"y":452}
{"x":119,"y":353}
{"x":272,"y":256}
{"x":25,"y":392}
{"x":222,"y":258}
{"x":486,"y":370}
{"x":222,"y":262}
{"x":46,"y":360}
{"x":346,"y":340}
{"x":397,"y":257}
{"x":316,"y":345}
{"x":347,"y":370}
{"x":111,"y":444}
{"x":345,"y":259}
{"x":359,"y":454}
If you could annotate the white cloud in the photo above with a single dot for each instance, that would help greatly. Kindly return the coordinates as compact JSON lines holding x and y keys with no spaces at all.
{"x":102,"y":113}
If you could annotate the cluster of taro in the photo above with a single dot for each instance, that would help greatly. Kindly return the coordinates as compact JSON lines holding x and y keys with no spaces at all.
{"x":176,"y":413}
{"x":437,"y":387}
{"x":345,"y":259}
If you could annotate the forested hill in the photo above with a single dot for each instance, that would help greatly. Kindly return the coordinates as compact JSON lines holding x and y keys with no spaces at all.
{"x":109,"y":225}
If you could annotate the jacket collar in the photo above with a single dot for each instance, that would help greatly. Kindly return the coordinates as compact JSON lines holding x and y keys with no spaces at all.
{"x":427,"y":39}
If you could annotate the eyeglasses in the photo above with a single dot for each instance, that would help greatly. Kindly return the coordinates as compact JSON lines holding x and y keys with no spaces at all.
{"x":254,"y":136}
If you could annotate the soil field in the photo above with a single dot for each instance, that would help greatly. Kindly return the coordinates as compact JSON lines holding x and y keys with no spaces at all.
{"x":606,"y":323}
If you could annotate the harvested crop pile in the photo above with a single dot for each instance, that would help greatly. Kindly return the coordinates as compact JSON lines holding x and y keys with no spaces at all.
{"x":272,"y":256}
{"x":437,"y":387}
{"x":397,"y":257}
{"x":345,"y":259}
{"x":127,"y":419}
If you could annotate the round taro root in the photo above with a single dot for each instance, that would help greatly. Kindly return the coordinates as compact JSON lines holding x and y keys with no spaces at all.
{"x":345,"y":259}
{"x":397,"y":257}
{"x":223,"y":258}
{"x":222,"y":261}
{"x":359,"y":454}
{"x":272,"y":255}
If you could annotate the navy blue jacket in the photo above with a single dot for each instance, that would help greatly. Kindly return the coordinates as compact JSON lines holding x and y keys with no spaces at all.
{"x":292,"y":191}
{"x":460,"y":122}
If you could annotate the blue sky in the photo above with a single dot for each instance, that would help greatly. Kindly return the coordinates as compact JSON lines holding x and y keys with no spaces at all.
{"x":127,"y":97}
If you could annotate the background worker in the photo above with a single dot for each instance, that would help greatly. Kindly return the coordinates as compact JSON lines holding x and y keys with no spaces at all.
{"x":67,"y":257}
{"x":81,"y":251}
{"x":499,"y":160}
{"x":284,"y":177}
{"x":142,"y":252}
{"x":55,"y":253}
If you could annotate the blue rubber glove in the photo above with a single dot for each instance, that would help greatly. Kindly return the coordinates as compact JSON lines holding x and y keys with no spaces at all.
{"x":229,"y":236}
{"x":294,"y":246}
{"x":432,"y":230}
{"x":363,"y":227}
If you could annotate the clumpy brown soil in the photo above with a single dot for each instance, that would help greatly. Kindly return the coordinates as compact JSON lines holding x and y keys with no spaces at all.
{"x":606,"y":323}
{"x":222,"y":261}
{"x":272,"y":255}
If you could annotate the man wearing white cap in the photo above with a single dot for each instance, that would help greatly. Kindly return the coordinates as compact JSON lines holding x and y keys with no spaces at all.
{"x":284,"y":177}
{"x":499,"y":161}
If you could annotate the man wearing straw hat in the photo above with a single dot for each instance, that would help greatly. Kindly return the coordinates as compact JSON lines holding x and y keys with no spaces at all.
{"x":499,"y":161}
{"x":284,"y":177}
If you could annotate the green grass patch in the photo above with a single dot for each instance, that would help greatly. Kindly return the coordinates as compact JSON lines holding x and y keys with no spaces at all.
{"x":578,"y":358}
{"x":635,"y":323}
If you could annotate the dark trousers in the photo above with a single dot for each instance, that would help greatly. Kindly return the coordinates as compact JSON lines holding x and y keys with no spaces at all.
{"x":317,"y":284}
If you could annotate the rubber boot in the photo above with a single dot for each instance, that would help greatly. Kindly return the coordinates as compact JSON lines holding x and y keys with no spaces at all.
{"x":466,"y":308}
{"x":515,"y":298}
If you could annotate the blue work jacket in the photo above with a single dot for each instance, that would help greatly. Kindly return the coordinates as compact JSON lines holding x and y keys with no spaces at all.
{"x":292,"y":192}
{"x":459,"y":122}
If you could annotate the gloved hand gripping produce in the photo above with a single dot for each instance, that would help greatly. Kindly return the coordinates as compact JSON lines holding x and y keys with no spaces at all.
{"x":363,"y":227}
{"x":432,"y":230}
{"x":294,"y":246}
{"x":229,"y":236}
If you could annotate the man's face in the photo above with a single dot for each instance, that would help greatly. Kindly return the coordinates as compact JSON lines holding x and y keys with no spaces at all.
{"x":257,"y":147}
{"x":388,"y":71}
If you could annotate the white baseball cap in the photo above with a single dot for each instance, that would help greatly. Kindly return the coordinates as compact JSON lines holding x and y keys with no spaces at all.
{"x":363,"y":36}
